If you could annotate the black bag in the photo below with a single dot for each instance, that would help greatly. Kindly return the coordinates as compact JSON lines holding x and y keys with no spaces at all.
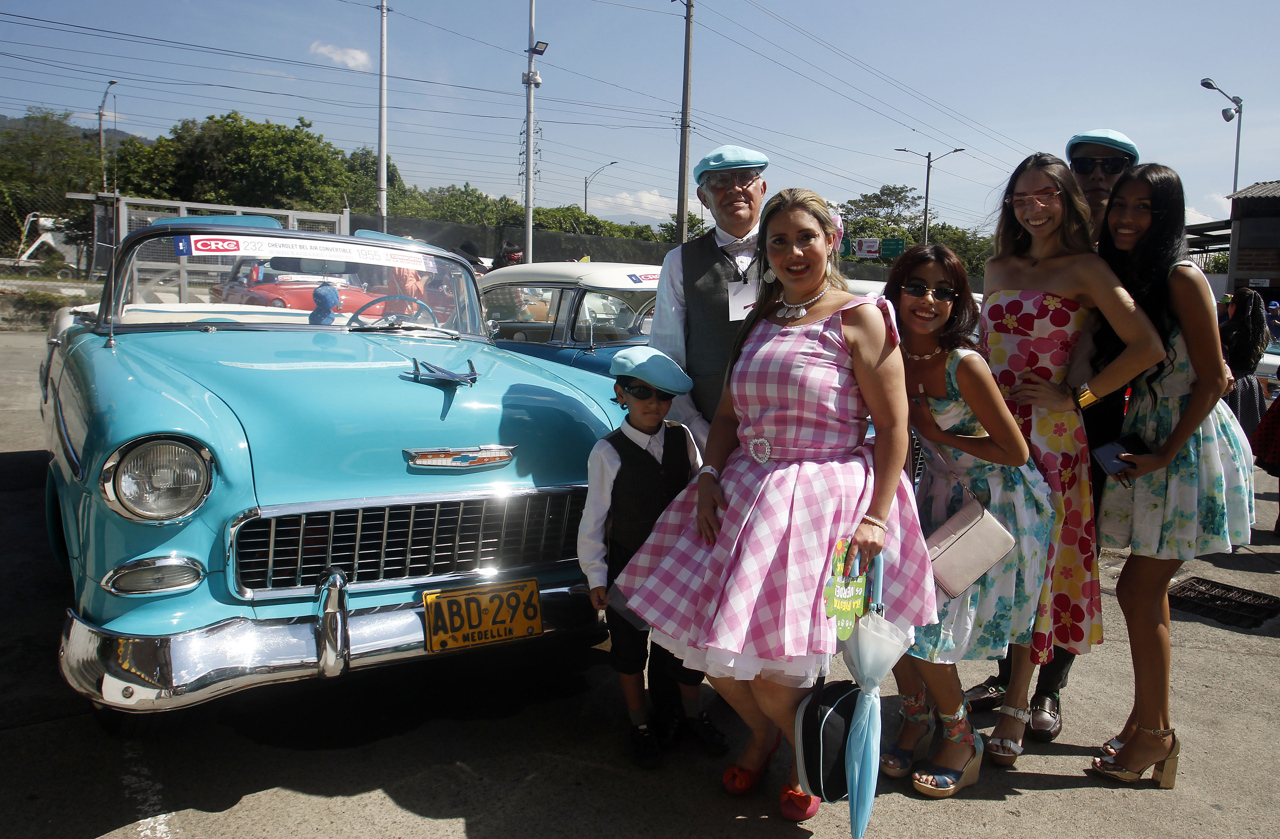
{"x":822,"y":732}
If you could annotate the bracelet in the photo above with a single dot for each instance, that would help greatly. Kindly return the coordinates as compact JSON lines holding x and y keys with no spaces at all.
{"x":709,"y":470}
{"x":1084,"y":397}
{"x":875,"y":522}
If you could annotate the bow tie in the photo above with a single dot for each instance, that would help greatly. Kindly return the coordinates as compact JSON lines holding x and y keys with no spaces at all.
{"x":747,"y":243}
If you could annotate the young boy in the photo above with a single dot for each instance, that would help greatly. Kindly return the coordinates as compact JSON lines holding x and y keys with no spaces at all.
{"x":632,"y":474}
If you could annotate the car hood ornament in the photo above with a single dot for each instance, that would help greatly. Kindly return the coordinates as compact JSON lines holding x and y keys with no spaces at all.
{"x":426,"y":373}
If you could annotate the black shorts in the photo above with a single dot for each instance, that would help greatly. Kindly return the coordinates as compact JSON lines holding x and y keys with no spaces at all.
{"x":629,"y":651}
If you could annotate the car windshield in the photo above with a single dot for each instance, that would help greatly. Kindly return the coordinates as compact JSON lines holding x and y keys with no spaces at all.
{"x":257,"y":280}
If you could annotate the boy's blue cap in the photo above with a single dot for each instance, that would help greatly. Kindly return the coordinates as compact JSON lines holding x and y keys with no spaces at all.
{"x":729,"y":157}
{"x":1108,"y":137}
{"x":653,"y":367}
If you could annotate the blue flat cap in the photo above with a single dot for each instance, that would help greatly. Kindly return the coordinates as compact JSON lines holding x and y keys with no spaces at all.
{"x":729,"y":157}
{"x":653,"y":367}
{"x":1105,"y":137}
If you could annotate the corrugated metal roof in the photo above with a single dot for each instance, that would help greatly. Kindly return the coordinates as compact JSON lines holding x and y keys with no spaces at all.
{"x":1262,"y":189}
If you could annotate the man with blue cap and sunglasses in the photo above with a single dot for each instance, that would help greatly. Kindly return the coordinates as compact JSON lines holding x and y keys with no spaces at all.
{"x":704,"y":292}
{"x":1098,"y":157}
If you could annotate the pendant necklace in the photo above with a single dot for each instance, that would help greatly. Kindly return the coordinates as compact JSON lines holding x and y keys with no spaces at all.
{"x":799,"y":310}
{"x":915,"y":357}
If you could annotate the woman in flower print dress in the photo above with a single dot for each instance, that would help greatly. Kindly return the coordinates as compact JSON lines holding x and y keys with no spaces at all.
{"x":1040,"y":286}
{"x":1193,"y":494}
{"x":975,"y":443}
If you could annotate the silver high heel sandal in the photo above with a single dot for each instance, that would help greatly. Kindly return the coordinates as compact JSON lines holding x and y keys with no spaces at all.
{"x":1008,"y":750}
{"x":1164,"y":771}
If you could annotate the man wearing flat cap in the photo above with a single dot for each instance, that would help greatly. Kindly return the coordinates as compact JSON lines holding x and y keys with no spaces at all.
{"x":704,"y":292}
{"x":1097,"y":158}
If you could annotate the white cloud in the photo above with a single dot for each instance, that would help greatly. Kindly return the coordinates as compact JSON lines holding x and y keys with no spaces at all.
{"x":642,"y":206}
{"x":1194,"y":216}
{"x":350,"y":58}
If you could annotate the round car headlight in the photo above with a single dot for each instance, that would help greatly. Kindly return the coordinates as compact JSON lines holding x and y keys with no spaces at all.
{"x":159,"y":480}
{"x":277,"y":303}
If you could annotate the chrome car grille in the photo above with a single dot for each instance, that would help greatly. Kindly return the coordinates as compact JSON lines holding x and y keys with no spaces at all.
{"x":407,"y":541}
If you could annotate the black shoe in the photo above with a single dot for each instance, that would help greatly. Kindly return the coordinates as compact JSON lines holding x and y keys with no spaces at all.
{"x":667,"y":727}
{"x":987,"y":696}
{"x":712,"y":740}
{"x":1046,"y":718}
{"x":645,"y":750}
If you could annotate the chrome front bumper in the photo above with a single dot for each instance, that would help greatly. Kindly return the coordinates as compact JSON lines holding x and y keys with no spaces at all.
{"x":159,"y":673}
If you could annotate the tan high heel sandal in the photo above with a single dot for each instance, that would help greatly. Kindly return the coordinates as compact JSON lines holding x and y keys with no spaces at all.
{"x":1164,"y":771}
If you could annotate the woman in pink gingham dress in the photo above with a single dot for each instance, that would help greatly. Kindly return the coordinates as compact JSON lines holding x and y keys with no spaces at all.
{"x":745,"y":604}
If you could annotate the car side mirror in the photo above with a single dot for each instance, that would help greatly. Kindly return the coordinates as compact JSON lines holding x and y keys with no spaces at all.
{"x":493,"y":328}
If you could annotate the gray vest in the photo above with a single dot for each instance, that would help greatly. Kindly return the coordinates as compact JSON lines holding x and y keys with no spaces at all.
{"x":708,"y":332}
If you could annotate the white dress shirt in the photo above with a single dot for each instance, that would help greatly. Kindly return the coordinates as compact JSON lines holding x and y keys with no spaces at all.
{"x":602,"y":468}
{"x":667,"y":331}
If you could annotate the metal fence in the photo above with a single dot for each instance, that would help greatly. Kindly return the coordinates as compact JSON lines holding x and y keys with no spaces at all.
{"x":43,"y":234}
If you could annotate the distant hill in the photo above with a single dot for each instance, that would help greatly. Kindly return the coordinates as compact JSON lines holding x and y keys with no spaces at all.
{"x":110,"y":135}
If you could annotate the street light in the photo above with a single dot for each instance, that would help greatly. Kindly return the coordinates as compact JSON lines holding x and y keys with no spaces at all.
{"x":1229,"y":114}
{"x":102,"y":147}
{"x":928,"y":169}
{"x":586,"y":182}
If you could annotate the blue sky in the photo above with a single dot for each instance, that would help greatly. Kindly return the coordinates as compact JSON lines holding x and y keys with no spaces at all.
{"x":827,"y":88}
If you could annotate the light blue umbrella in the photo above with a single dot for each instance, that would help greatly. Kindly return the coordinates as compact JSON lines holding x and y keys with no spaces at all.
{"x":870,"y":651}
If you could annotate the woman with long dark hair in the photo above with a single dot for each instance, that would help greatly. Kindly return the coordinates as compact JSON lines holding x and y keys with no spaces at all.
{"x":973,"y":442}
{"x":1193,"y":493}
{"x":1245,"y":337}
{"x":1040,"y":287}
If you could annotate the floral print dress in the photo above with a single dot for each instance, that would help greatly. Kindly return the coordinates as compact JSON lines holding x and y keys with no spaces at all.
{"x":1035,"y":332}
{"x":1000,"y":608}
{"x":1200,"y":503}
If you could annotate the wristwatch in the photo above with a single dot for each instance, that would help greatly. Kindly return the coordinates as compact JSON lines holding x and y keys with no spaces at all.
{"x":1084,"y":397}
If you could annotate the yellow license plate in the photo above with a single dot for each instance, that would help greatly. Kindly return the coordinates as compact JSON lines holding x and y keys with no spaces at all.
{"x":482,"y":615}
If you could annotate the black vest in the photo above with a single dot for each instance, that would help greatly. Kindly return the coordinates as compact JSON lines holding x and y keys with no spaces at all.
{"x":641,"y":491}
{"x":708,"y":332}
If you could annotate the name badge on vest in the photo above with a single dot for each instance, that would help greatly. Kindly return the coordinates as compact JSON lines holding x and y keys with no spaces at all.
{"x":742,"y":299}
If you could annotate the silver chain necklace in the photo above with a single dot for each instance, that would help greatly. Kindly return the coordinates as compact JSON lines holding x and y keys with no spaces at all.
{"x":799,"y":310}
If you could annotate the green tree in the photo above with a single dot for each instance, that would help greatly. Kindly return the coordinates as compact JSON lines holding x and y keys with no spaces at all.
{"x":972,"y":246}
{"x":362,"y":166}
{"x":43,"y":157}
{"x":668,"y":232}
{"x":1217,"y":263}
{"x":889,"y":213}
{"x":233,"y":160}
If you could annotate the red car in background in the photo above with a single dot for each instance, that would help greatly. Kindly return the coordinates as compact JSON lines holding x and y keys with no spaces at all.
{"x":288,"y":283}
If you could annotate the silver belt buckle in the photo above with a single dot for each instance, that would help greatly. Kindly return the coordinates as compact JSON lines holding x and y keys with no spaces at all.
{"x":755,"y":446}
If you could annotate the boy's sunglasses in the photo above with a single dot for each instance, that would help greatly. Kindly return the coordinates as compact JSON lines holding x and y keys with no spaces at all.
{"x":1110,"y":165}
{"x":646,"y":392}
{"x":941,"y":294}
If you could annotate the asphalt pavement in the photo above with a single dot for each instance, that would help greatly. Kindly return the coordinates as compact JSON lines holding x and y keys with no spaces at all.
{"x":514,"y":744}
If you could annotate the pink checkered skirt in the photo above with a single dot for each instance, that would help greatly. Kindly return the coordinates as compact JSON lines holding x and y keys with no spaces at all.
{"x":752,"y":604}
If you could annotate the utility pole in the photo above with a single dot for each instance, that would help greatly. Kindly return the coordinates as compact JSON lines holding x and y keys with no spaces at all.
{"x":928,"y":170}
{"x":102,"y":147}
{"x":682,"y":200}
{"x":530,"y":80}
{"x":382,"y":123}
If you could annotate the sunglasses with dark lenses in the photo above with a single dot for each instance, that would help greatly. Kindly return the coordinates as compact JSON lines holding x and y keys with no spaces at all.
{"x":941,"y":294}
{"x":646,"y":392}
{"x":1110,"y":165}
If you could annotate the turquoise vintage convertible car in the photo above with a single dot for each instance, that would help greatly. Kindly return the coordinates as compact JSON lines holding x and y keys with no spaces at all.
{"x":249,"y":494}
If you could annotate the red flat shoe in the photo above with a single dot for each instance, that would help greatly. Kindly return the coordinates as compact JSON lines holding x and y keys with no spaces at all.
{"x":740,"y":781}
{"x":797,"y":806}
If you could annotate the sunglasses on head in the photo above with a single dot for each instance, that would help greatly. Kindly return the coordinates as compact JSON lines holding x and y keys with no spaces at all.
{"x":646,"y":392}
{"x":1110,"y":165}
{"x":941,"y":294}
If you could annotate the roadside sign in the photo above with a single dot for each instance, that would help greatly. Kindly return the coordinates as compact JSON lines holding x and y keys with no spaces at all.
{"x":868,"y":248}
{"x":892,"y":248}
{"x":846,"y":246}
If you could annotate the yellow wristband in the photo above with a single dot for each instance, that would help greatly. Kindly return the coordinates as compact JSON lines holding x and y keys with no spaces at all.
{"x":1084,"y":397}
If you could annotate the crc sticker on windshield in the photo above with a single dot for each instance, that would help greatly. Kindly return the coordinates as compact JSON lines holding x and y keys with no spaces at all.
{"x":308,"y":248}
